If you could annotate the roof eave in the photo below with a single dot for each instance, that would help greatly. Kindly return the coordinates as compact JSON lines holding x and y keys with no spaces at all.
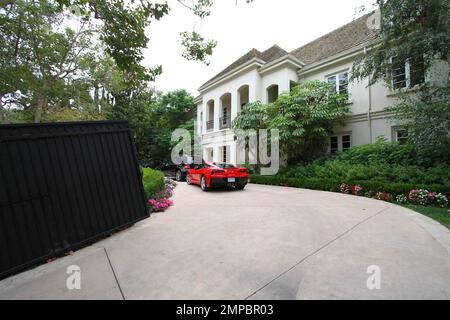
{"x":255,"y":61}
{"x":198,"y":99}
{"x":287,"y":59}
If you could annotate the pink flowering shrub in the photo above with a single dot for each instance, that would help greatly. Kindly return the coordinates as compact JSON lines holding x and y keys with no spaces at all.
{"x":160,"y":205}
{"x":357,"y":190}
{"x":160,"y":201}
{"x":420,"y":196}
{"x":413,"y":196}
{"x":432,"y":197}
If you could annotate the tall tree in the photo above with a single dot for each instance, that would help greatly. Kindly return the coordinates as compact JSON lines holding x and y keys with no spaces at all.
{"x":416,"y":31}
{"x":49,"y":56}
{"x":153,"y":117}
{"x":426,"y":116}
{"x":305,"y":118}
{"x":41,"y":58}
{"x":407,"y":29}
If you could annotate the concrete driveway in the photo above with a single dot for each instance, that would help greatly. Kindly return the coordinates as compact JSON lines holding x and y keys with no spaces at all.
{"x":261,"y":243}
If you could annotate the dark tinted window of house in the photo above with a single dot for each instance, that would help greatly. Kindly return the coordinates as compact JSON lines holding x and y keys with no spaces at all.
{"x":398,"y":74}
{"x":346,"y":142}
{"x":332,"y":83}
{"x":343,"y":83}
{"x":333,"y":145}
{"x":401,"y":135}
{"x":417,"y":71}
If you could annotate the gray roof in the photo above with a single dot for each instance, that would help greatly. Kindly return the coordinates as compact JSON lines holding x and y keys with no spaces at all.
{"x":339,"y":40}
{"x":267,"y":56}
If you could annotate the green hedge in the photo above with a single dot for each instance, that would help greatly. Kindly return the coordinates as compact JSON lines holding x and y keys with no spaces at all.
{"x":342,"y":171}
{"x":380,"y":167}
{"x":394,"y":188}
{"x":153,"y":181}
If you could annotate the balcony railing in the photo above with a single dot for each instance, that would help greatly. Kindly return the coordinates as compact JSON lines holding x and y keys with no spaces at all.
{"x":225,"y":122}
{"x":210,"y":125}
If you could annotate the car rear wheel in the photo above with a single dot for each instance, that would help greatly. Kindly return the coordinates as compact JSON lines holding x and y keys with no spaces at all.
{"x":203,"y":184}
{"x":240,"y":186}
{"x":178,"y":175}
{"x":188,"y":179}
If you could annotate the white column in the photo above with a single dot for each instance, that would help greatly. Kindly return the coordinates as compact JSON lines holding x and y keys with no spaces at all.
{"x":205,"y":116}
{"x":284,"y":86}
{"x":217,"y":106}
{"x":200,"y":118}
{"x":256,"y":91}
{"x":253,"y":95}
{"x":234,"y":105}
{"x":216,"y":155}
{"x":233,"y":158}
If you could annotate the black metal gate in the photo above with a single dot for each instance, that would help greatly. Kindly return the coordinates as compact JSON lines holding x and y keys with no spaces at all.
{"x":63,"y":185}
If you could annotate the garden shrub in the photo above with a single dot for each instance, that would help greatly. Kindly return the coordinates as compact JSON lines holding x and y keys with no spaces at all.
{"x":153,"y":181}
{"x":160,"y":200}
{"x":441,"y":200}
{"x":402,"y":199}
{"x":381,"y":151}
{"x":382,"y":170}
{"x":374,"y":186}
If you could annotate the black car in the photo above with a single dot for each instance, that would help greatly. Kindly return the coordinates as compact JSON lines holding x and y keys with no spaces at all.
{"x":181,"y":172}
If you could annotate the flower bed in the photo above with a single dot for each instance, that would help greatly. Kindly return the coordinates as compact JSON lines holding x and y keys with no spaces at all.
{"x":403,"y":193}
{"x":160,"y":200}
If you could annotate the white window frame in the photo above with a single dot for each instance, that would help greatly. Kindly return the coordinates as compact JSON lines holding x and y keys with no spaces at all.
{"x":336,"y":75}
{"x":407,"y":67}
{"x":337,"y":142}
{"x":340,"y":141}
{"x":395,"y":131}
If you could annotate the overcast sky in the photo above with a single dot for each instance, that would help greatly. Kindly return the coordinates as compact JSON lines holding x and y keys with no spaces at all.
{"x":239,"y":28}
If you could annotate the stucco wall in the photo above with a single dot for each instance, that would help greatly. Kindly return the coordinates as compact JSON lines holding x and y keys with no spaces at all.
{"x":358,"y":91}
{"x":367,"y":118}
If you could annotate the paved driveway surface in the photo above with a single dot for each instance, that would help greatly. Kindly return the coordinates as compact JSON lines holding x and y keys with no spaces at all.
{"x":261,"y":243}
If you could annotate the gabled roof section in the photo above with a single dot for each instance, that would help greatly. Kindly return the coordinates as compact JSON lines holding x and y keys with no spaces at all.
{"x":273,"y":53}
{"x":268,"y":55}
{"x":335,"y":42}
{"x":339,"y":40}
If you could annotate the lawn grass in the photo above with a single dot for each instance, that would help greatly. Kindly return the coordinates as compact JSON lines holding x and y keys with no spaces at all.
{"x":441,"y":215}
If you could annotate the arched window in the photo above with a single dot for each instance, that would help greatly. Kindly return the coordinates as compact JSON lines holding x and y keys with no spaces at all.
{"x":225,"y":111}
{"x":210,"y":115}
{"x":272,"y":93}
{"x":292,"y":85}
{"x":243,"y":95}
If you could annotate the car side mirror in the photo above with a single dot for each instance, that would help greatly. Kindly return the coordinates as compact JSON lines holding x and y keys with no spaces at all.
{"x":192,"y":166}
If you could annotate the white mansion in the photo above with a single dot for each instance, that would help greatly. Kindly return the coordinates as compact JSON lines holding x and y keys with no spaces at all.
{"x":262,"y":76}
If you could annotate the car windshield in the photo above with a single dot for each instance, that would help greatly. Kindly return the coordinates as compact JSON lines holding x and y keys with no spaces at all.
{"x":225,"y":165}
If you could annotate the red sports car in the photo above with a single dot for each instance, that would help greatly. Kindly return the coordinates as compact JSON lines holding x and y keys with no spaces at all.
{"x":210,"y":174}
